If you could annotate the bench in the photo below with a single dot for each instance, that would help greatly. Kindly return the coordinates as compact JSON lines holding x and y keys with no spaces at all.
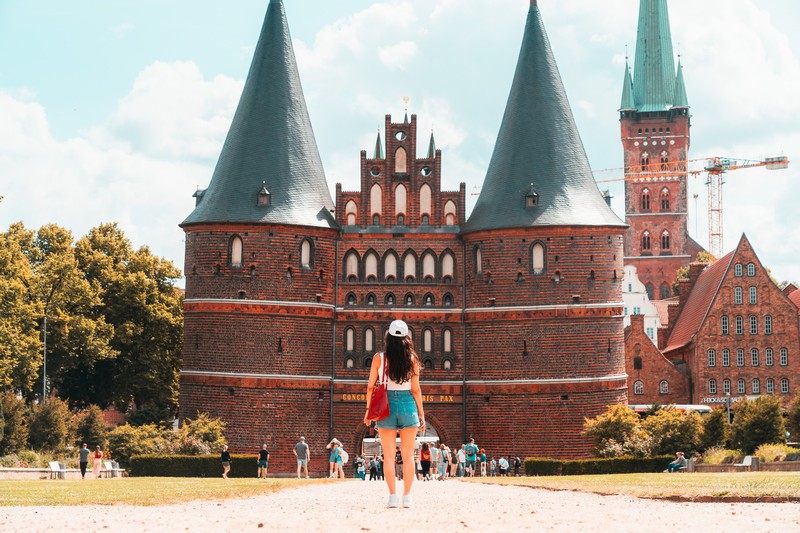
{"x":57,"y":470}
{"x":746,"y":464}
{"x":112,"y":469}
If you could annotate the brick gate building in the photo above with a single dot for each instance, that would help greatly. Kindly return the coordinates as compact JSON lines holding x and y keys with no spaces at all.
{"x":516,"y":311}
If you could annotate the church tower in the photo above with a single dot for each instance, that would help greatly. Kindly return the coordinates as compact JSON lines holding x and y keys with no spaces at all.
{"x":655,"y":122}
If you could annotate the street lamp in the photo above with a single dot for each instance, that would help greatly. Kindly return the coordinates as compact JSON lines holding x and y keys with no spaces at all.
{"x":728,"y":405}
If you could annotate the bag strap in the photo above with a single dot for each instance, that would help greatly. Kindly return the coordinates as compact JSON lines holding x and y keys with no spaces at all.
{"x":385,"y":374}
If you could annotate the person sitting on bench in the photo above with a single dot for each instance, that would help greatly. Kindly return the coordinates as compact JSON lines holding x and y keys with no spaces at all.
{"x":677,"y":464}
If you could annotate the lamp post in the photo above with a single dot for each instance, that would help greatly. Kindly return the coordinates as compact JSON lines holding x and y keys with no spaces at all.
{"x":728,"y":405}
{"x":44,"y":366}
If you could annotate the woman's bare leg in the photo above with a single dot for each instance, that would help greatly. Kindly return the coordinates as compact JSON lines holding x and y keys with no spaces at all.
{"x":388,"y":442}
{"x":408,"y":438}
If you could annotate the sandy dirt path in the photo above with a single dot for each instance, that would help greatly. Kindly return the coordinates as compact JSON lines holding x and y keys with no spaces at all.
{"x":440,"y":506}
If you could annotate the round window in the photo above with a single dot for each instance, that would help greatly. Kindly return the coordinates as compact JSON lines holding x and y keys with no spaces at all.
{"x":375,"y":172}
{"x":426,"y":171}
{"x":400,"y":136}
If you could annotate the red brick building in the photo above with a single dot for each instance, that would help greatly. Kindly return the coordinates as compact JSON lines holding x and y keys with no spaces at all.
{"x":655,"y":122}
{"x":516,"y":312}
{"x":652,"y":378}
{"x":732,"y":332}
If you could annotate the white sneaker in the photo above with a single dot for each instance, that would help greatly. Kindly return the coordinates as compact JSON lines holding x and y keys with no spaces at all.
{"x":394,"y":501}
{"x":408,"y":501}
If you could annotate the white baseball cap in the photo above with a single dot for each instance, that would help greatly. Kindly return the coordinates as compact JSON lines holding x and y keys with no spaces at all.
{"x":398,"y":328}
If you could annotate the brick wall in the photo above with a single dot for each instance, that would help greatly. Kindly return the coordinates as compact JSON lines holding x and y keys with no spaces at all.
{"x":655,"y":368}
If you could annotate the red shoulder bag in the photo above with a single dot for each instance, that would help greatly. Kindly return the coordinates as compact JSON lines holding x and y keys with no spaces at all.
{"x":379,"y":402}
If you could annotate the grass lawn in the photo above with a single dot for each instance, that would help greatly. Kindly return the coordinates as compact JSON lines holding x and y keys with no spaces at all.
{"x":137,"y":491}
{"x":749,"y":486}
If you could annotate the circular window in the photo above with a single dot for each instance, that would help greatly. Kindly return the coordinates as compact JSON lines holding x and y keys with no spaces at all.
{"x":400,"y":136}
{"x":375,"y":172}
{"x":426,"y":171}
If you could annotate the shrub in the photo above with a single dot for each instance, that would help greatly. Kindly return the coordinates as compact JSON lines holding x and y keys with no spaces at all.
{"x":50,"y":425}
{"x":718,"y":455}
{"x":793,"y":418}
{"x":9,"y":461}
{"x":535,"y":466}
{"x":716,"y":429}
{"x":774,"y":452}
{"x":618,"y":432}
{"x":125,"y":441}
{"x":674,"y":431}
{"x":91,"y":428}
{"x":758,"y":422}
{"x":616,"y":465}
{"x":33,"y":459}
{"x":205,"y":429}
{"x":15,"y":415}
{"x":191,"y":466}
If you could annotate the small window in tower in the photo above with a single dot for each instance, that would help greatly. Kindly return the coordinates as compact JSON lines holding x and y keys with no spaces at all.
{"x":646,"y":200}
{"x":371,"y":299}
{"x":645,"y":163}
{"x":428,"y":300}
{"x":478,"y":261}
{"x":351,"y":299}
{"x":665,"y":241}
{"x":351,"y":213}
{"x":447,"y":364}
{"x":306,"y":254}
{"x":369,"y":340}
{"x":537,"y":259}
{"x":376,"y":219}
{"x":349,"y":363}
{"x":425,"y":219}
{"x":236,"y":251}
{"x":447,"y":300}
{"x":665,"y":199}
{"x":664,"y":291}
{"x":409,"y":300}
{"x":450,"y":214}
{"x":390,"y":299}
{"x":646,"y":241}
{"x":401,"y":161}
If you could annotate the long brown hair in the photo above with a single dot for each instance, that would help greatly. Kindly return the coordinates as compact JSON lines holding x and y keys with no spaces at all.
{"x":402,"y":359}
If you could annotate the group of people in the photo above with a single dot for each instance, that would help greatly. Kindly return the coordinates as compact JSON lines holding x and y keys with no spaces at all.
{"x":300,"y":450}
{"x":84,"y":454}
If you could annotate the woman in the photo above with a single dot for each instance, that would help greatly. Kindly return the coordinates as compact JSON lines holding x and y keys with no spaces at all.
{"x":444,"y":461}
{"x":425,"y":461}
{"x":335,"y":459}
{"x":453,"y":463}
{"x":225,"y":457}
{"x":482,"y":457}
{"x":98,"y":461}
{"x":405,"y":406}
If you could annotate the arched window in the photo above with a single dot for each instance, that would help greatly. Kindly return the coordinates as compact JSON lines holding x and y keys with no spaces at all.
{"x":740,"y":386}
{"x":739,"y":357}
{"x":425,"y":200}
{"x":236,"y":251}
{"x":367,"y":362}
{"x":768,"y":325}
{"x":664,"y":161}
{"x":371,"y":266}
{"x":784,"y":386}
{"x":664,"y":290}
{"x":447,"y":364}
{"x":638,"y":388}
{"x":637,"y":363}
{"x":712,"y":386}
{"x":409,"y":299}
{"x":739,"y":325}
{"x":369,"y":340}
{"x":784,"y":357}
{"x":376,"y":201}
{"x":401,"y":161}
{"x":351,"y":213}
{"x":663,"y":387}
{"x":307,"y":254}
{"x":646,"y":240}
{"x":447,"y":341}
{"x":665,"y":240}
{"x":428,"y":267}
{"x":737,"y":295}
{"x":400,"y":203}
{"x":351,"y":299}
{"x":450,"y":214}
{"x":753,"y":325}
{"x":428,"y":364}
{"x":769,"y":357}
{"x":448,"y":267}
{"x":753,"y":296}
{"x":478,"y":260}
{"x":770,"y":386}
{"x":646,"y":199}
{"x":410,"y":267}
{"x":376,"y":220}
{"x":665,"y":199}
{"x":756,"y":386}
{"x":645,"y":163}
{"x":349,"y":363}
{"x":724,"y":325}
{"x":650,"y":290}
{"x":390,"y":267}
{"x":537,"y":259}
{"x":751,"y":269}
{"x":351,"y":266}
{"x":726,"y":357}
{"x":427,"y":340}
{"x":737,"y":270}
{"x":726,"y":386}
{"x":447,"y":300}
{"x":390,"y":300}
{"x":712,"y":358}
{"x":349,"y":340}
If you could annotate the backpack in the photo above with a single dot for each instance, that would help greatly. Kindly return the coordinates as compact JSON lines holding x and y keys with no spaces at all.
{"x":344,"y":455}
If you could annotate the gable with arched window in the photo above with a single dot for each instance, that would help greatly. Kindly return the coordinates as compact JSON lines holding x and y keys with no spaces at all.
{"x":448,"y":266}
{"x":376,"y":202}
{"x":371,"y":266}
{"x":236,"y":250}
{"x":307,"y":254}
{"x":425,"y":203}
{"x":401,"y":161}
{"x":645,"y":203}
{"x":351,"y":261}
{"x":400,"y":203}
{"x":390,"y":266}
{"x":450,"y":213}
{"x":428,"y":266}
{"x":410,"y":266}
{"x":351,"y":213}
{"x":537,"y":259}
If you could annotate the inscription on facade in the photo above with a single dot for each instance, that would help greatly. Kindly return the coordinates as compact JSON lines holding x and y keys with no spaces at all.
{"x":427,"y":398}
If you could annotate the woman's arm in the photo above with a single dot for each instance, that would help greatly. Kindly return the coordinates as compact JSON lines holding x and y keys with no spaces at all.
{"x":373,"y":378}
{"x":416,"y":392}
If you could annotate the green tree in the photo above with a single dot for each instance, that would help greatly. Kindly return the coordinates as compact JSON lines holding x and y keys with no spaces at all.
{"x":201,"y":434}
{"x":793,"y":418}
{"x":673,"y":431}
{"x":617,"y":432}
{"x":758,"y":422}
{"x":126,"y":440}
{"x":50,"y":425}
{"x":683,"y":272}
{"x":91,"y":428}
{"x":15,"y":414}
{"x":716,"y":429}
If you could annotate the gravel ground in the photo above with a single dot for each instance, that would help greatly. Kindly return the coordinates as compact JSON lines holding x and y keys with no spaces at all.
{"x":440,"y":506}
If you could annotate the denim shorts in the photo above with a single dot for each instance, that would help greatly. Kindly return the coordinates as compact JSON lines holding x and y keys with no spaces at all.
{"x":402,"y":411}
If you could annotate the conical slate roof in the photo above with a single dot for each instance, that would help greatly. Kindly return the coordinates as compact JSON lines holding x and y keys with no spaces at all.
{"x":627,"y":103}
{"x":538,"y":146}
{"x":654,"y":67}
{"x":270,"y":145}
{"x":680,"y":99}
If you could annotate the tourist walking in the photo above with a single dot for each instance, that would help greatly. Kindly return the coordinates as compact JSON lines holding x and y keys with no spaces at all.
{"x":401,"y":364}
{"x":517,"y":465}
{"x":98,"y":461}
{"x":263,"y":462}
{"x":462,"y":461}
{"x":425,"y":461}
{"x":454,"y":464}
{"x":471,"y":451}
{"x":373,"y":468}
{"x":301,"y":452}
{"x":482,"y":459}
{"x":398,"y":463}
{"x":83,"y":459}
{"x":225,"y":457}
{"x":444,"y":461}
{"x":492,"y":467}
{"x":502,"y":464}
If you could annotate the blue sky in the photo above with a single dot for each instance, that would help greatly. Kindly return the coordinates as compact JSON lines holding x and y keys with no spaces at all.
{"x":116,"y":111}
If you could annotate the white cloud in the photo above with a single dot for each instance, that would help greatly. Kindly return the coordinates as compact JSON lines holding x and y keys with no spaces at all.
{"x":398,"y":56}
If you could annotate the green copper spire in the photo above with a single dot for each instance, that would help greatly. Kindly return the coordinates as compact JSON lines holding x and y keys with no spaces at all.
{"x":680,"y":99}
{"x":654,"y":67}
{"x":627,"y":103}
{"x":432,"y":148}
{"x":270,"y":145}
{"x":378,"y":147}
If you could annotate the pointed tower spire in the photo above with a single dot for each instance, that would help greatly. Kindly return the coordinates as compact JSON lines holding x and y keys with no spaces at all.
{"x":270,"y":145}
{"x":378,"y":147}
{"x":654,"y":67}
{"x":627,"y":103}
{"x":680,"y":99}
{"x":538,"y":147}
{"x":432,"y":147}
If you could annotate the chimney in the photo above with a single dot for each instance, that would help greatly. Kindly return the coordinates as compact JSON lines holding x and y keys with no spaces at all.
{"x":637,"y":323}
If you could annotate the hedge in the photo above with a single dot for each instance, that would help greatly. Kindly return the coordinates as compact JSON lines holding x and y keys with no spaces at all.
{"x":191,"y":465}
{"x":535,"y":466}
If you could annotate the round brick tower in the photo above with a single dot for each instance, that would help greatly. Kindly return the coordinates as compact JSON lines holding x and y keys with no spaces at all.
{"x":260,"y":261}
{"x":543,"y":267}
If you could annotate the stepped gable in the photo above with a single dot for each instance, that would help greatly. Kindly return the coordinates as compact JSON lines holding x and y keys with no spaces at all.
{"x":654,"y":68}
{"x":538,"y":147}
{"x":270,"y":146}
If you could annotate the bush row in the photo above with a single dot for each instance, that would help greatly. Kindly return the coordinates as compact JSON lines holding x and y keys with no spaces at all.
{"x":242,"y":465}
{"x":614,"y":465}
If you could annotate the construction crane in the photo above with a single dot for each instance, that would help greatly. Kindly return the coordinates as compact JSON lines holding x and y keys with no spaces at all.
{"x":715,"y":168}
